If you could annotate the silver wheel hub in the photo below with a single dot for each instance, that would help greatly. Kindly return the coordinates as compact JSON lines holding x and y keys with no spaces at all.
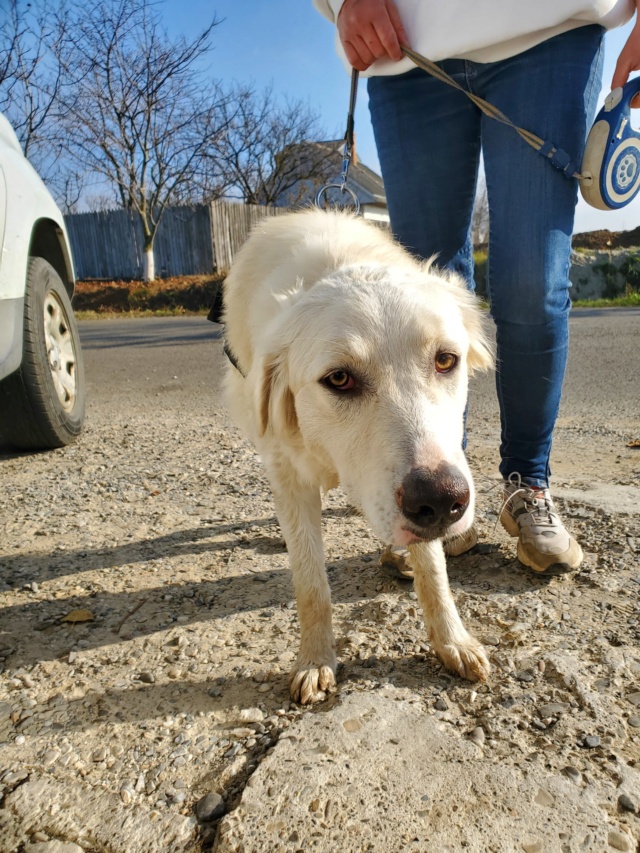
{"x":60,"y":351}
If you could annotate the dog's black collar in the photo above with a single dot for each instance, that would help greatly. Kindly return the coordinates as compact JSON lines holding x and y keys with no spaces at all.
{"x":234,"y":361}
{"x":216,"y":316}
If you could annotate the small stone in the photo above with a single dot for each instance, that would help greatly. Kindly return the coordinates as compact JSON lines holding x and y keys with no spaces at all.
{"x":533,"y":847}
{"x":573,"y":774}
{"x":634,"y":722}
{"x":173,"y":672}
{"x":591,"y":742}
{"x":127,"y":793}
{"x":265,"y":688}
{"x":147,"y":677}
{"x":13,"y":778}
{"x":525,"y":675}
{"x":440,"y":704}
{"x":552,"y":709}
{"x":251,"y":715}
{"x":544,"y":798}
{"x":477,"y":736}
{"x":210,"y":807}
{"x":634,"y":698}
{"x":627,"y":804}
{"x":99,"y":754}
{"x":618,"y":840}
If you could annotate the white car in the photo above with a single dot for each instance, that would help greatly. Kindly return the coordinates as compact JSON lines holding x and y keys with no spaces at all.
{"x":42,"y":391}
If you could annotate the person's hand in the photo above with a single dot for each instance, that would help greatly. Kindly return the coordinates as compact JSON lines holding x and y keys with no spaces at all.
{"x":370,"y":30}
{"x":628,"y":61}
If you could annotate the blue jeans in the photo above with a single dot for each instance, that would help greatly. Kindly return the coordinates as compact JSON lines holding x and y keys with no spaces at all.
{"x":429,"y":138}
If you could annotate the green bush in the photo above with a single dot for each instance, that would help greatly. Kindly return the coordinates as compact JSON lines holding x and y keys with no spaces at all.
{"x":480,"y":273}
{"x":630,"y":269}
{"x":613,"y":286}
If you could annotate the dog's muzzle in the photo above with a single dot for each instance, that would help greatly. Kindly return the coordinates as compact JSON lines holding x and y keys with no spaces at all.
{"x":434,"y":500}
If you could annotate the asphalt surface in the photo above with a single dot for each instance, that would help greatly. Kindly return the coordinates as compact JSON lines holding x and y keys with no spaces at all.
{"x":165,"y":363}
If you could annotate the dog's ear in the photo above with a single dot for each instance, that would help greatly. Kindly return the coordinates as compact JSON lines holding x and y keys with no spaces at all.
{"x":481,"y":354}
{"x":481,"y":351}
{"x":276,"y":404}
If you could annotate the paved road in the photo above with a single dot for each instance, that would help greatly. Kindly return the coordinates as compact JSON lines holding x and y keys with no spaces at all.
{"x":178,"y":361}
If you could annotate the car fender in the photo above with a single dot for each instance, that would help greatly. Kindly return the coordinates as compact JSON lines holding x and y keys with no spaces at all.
{"x":30,"y":223}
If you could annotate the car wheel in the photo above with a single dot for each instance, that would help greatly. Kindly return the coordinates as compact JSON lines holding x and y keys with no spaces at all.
{"x":42,"y":403}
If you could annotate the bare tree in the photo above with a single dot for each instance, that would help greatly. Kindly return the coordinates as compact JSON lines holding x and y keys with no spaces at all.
{"x":69,"y":188}
{"x":141,"y":112}
{"x":31,"y":78}
{"x":267,"y":149}
{"x":98,"y":202}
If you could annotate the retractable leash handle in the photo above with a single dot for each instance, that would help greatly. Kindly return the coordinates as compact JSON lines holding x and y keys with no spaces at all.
{"x":611,"y":161}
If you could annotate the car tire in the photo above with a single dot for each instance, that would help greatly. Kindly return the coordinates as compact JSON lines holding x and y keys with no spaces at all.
{"x":42,"y":403}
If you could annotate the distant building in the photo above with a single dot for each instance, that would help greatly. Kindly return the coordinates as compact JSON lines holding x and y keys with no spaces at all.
{"x":325,"y":158}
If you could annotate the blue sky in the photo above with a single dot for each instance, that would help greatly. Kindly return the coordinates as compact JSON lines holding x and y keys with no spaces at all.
{"x":287,"y":43}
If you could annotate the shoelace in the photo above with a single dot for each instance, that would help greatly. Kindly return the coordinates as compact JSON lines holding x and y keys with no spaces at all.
{"x":535,"y":500}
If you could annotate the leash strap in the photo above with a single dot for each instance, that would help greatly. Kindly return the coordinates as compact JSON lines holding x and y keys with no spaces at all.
{"x":347,"y":153}
{"x":349,"y":139}
{"x":556,"y":156}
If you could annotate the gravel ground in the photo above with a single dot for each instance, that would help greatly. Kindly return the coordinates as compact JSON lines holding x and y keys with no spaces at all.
{"x":148,"y":623}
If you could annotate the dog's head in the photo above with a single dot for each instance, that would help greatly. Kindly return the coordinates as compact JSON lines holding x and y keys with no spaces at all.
{"x":364,"y":376}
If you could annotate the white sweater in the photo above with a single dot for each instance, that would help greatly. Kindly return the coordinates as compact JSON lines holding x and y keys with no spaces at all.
{"x":485,"y":30}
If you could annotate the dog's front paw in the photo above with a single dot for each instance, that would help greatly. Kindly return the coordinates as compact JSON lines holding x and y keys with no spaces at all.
{"x":466,"y":657}
{"x":311,"y":682}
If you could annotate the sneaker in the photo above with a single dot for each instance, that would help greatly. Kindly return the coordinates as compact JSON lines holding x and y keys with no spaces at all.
{"x":454,"y":546}
{"x":544,"y":544}
{"x":397,"y":559}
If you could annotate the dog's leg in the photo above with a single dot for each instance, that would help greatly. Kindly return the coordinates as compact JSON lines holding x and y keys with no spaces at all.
{"x":455,"y":647}
{"x":299,"y":509}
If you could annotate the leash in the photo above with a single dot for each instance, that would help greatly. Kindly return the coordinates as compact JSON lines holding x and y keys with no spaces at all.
{"x":347,"y":152}
{"x":556,"y":156}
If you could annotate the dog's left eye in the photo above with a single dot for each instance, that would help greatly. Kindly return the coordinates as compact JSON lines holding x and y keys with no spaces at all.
{"x":340,"y":380}
{"x":446,"y":361}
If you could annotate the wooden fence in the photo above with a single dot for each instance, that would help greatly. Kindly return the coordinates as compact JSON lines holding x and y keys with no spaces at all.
{"x":191,"y":240}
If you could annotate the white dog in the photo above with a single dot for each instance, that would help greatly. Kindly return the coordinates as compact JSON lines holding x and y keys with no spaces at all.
{"x":348,"y":365}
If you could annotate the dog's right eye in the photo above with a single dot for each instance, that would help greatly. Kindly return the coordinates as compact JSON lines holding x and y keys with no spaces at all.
{"x":340,"y":380}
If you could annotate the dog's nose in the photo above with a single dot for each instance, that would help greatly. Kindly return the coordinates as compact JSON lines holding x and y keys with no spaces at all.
{"x":428,"y":498}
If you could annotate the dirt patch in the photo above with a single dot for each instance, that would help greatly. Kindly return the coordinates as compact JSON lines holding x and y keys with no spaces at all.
{"x":605,"y":239}
{"x":600,"y":241}
{"x":186,"y":294}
